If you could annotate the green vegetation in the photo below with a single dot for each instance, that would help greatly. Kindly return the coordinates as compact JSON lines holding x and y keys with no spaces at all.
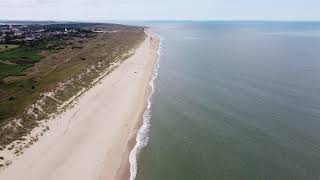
{"x":32,"y":52}
{"x":25,"y":56}
{"x":21,"y":58}
{"x":17,"y":93}
{"x":52,"y":44}
{"x":28,"y":53}
{"x":22,"y":94}
{"x":10,"y":69}
{"x":6,"y":47}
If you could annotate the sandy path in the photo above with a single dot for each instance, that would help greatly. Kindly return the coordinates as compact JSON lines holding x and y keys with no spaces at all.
{"x":90,"y":140}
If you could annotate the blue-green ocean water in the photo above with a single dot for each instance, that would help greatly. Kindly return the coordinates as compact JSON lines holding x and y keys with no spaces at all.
{"x":235,"y":101}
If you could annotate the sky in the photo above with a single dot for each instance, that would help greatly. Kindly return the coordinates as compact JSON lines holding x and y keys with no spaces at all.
{"x":103,"y":10}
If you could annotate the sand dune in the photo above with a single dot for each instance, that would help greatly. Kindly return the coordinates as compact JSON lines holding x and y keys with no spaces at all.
{"x":92,"y":140}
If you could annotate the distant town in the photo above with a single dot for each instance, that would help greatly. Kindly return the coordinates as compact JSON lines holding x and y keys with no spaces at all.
{"x":23,"y":44}
{"x":26,"y":34}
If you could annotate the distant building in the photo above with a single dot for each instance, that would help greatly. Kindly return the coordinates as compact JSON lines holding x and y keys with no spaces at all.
{"x":18,"y":33}
{"x":40,"y":31}
{"x":31,"y":38}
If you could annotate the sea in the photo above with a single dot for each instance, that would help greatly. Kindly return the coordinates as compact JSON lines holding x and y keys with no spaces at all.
{"x":233,"y":100}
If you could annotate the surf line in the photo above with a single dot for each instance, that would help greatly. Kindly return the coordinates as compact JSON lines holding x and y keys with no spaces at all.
{"x":143,"y":133}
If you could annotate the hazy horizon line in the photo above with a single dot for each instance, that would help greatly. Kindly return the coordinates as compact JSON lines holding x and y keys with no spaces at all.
{"x":163,"y":20}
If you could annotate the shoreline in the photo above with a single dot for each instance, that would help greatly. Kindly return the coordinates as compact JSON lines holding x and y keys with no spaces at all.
{"x":93,"y":139}
{"x":142,"y":134}
{"x":125,"y":170}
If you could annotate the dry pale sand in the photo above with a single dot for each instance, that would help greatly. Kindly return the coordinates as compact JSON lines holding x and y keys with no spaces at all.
{"x":92,"y":140}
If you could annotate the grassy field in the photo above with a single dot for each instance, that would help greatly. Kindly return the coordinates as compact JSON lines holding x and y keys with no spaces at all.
{"x":24,"y":57}
{"x":30,"y":53}
{"x":5,"y":47}
{"x":21,"y":57}
{"x":10,"y":69}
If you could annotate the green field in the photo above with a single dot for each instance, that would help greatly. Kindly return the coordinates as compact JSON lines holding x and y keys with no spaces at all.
{"x":5,"y":47}
{"x":17,"y":53}
{"x":22,"y":53}
{"x":14,"y":52}
{"x":10,"y":69}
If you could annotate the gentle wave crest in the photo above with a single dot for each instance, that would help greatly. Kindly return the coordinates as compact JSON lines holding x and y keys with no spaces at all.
{"x":296,"y":33}
{"x":191,"y":38}
{"x":143,"y":133}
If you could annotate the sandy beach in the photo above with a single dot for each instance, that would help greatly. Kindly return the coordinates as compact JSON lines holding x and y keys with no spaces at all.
{"x":92,"y":140}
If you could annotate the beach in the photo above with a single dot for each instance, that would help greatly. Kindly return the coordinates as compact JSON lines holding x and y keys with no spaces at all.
{"x":93,"y":139}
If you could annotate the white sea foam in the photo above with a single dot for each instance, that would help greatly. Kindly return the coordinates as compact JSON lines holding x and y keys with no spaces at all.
{"x":296,"y":33}
{"x":143,"y":133}
{"x":191,"y":38}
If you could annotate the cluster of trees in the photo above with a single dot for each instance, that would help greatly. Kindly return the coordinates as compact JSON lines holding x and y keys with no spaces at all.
{"x":9,"y":36}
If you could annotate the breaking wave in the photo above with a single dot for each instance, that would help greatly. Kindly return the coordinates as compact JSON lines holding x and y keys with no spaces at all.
{"x":143,"y":133}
